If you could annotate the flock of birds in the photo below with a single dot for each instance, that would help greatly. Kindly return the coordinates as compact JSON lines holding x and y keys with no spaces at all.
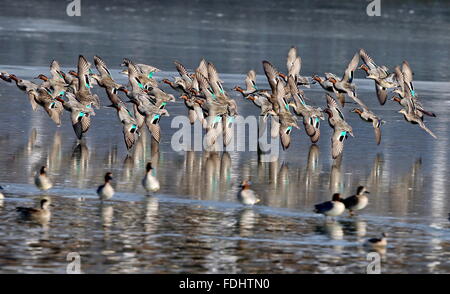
{"x":208,"y":102}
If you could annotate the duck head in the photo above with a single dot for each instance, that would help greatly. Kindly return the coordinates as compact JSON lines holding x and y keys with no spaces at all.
{"x":45,"y":203}
{"x":43,"y":170}
{"x":14,"y":77}
{"x":396,"y":99}
{"x":283,"y":76}
{"x":73,"y":73}
{"x":362,"y":190}
{"x":166,"y":81}
{"x":123,"y":89}
{"x":317,"y":78}
{"x":148,"y":167}
{"x":108,"y":177}
{"x":329,"y":112}
{"x":245,"y":184}
{"x":336,"y":197}
{"x":356,"y":110}
{"x":239,"y":89}
{"x":333,"y":80}
{"x":364,"y":67}
{"x":42,"y":77}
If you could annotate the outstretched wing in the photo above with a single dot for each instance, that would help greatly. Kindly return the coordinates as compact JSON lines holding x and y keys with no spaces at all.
{"x":349,"y":71}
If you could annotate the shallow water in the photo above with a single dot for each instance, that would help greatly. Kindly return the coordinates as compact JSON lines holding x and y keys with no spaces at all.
{"x":194,"y":223}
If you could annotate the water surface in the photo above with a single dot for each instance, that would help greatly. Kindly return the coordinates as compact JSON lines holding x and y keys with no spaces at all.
{"x":194,"y":223}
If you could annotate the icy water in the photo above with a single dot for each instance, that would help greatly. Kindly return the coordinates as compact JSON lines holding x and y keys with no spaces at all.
{"x":195,"y":223}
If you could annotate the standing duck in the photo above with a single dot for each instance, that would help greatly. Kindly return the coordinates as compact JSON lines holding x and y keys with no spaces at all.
{"x":358,"y":201}
{"x":150,"y":182}
{"x":335,"y":207}
{"x":106,"y":191}
{"x":41,"y":180}
{"x":246,"y":195}
{"x":341,"y":128}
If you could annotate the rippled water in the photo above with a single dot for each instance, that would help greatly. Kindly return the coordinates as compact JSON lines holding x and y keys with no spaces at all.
{"x":194,"y":223}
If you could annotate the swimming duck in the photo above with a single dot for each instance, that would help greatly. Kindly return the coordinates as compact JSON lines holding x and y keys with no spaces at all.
{"x":1,"y":194}
{"x":246,"y":195}
{"x":80,"y":114}
{"x":106,"y":191}
{"x":341,"y":128}
{"x":39,"y":214}
{"x":41,"y":180}
{"x":372,"y":69}
{"x":150,"y":182}
{"x":358,"y":201}
{"x":335,"y":207}
{"x":378,"y":242}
